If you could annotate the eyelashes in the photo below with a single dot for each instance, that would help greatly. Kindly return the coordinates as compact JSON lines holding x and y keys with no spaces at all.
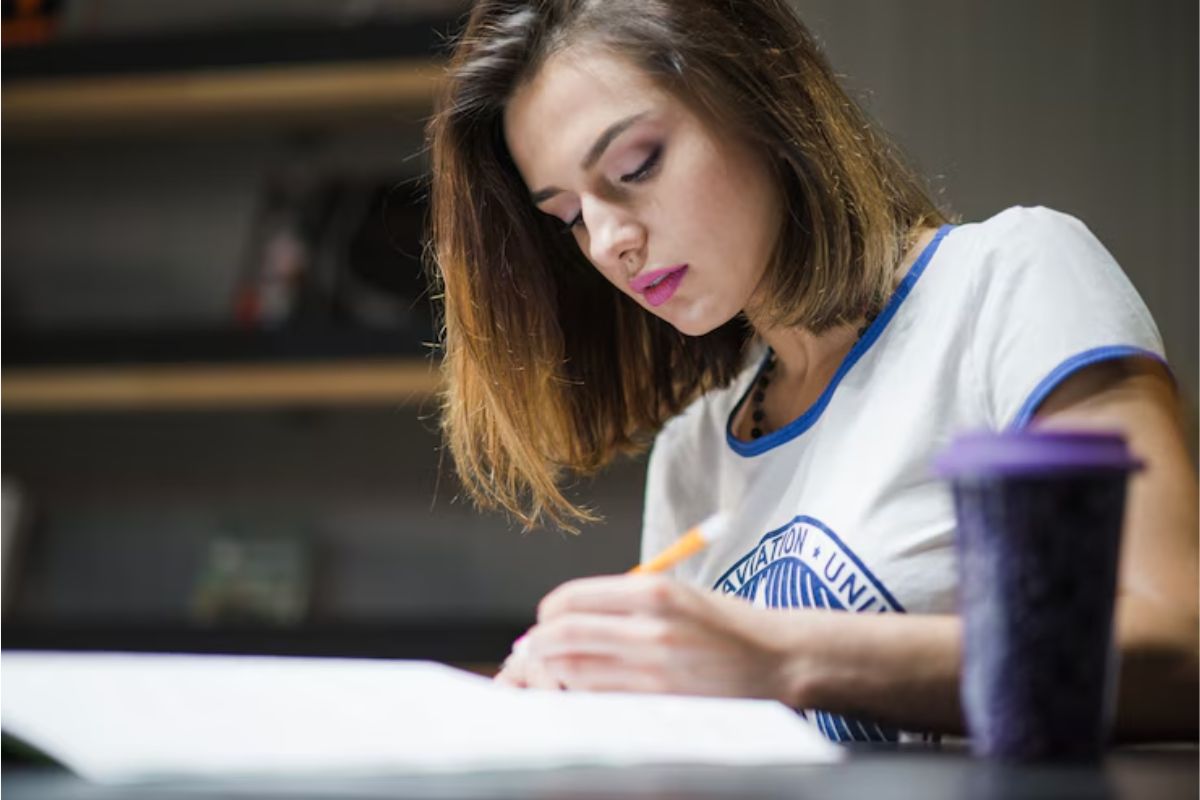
{"x":644,"y":171}
{"x":641,"y":173}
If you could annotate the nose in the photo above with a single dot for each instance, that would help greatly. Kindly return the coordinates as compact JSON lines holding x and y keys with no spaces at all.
{"x":616,"y":238}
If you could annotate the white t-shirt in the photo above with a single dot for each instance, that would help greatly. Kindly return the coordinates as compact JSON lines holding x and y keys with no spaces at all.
{"x":839,"y":509}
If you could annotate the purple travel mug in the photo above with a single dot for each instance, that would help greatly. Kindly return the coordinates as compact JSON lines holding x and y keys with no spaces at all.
{"x":1039,"y":533}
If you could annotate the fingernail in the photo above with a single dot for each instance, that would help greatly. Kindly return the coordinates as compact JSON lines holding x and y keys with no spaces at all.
{"x":519,"y":644}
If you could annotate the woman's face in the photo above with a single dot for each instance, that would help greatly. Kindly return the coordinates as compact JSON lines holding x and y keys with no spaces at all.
{"x":677,"y":216}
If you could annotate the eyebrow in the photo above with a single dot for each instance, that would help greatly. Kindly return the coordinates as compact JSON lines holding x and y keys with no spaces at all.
{"x":601,"y":144}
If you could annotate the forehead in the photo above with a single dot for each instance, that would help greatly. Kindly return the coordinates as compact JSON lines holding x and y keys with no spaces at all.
{"x":553,"y":118}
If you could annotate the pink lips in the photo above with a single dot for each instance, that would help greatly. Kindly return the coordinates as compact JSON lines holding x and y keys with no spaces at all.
{"x":668,"y":281}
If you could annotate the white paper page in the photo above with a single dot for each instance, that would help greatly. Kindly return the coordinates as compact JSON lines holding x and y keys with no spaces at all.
{"x":126,"y":717}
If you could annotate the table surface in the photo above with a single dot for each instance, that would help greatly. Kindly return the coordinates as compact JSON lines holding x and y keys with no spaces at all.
{"x":1141,"y":773}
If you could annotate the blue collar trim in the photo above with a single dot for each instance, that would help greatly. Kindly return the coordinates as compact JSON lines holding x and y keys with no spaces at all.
{"x":810,"y":417}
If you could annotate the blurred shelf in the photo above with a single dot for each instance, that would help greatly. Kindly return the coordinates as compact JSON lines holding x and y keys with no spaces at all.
{"x":132,"y":84}
{"x":82,"y":106}
{"x":224,"y":386}
{"x":204,"y":345}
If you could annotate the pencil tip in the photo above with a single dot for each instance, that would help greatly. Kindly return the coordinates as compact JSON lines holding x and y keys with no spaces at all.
{"x":714,"y":527}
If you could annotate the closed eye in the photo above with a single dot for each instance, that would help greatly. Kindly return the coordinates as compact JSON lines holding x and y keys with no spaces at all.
{"x":644,"y":171}
{"x":576,"y":220}
{"x":647,"y":167}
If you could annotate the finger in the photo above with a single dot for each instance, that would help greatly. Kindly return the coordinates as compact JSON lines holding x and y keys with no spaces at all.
{"x":511,"y":673}
{"x":538,"y":675}
{"x":637,"y":638}
{"x":604,"y":674}
{"x":613,"y":594}
{"x":512,"y":670}
{"x":508,"y":677}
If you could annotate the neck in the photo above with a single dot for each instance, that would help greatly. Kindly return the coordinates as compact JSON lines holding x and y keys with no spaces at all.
{"x":801,"y":354}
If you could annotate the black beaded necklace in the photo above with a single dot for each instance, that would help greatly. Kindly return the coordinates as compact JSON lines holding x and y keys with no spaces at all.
{"x":758,"y":416}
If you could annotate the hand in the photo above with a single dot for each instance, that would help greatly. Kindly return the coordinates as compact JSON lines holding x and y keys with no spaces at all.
{"x":648,"y":633}
{"x":522,"y":672}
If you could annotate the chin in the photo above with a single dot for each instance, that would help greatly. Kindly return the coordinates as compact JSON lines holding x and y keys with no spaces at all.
{"x":698,"y":324}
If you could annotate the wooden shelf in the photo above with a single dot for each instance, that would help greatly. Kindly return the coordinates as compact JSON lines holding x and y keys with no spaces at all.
{"x":200,"y":386}
{"x":325,"y":93}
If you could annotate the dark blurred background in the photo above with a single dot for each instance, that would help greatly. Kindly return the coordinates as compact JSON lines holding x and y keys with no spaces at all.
{"x":217,"y":384}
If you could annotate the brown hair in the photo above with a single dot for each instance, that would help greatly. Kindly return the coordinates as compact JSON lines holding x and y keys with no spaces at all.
{"x":550,"y":369}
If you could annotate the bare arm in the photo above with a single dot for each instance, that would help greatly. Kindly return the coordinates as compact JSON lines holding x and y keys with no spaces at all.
{"x":1157,"y":620}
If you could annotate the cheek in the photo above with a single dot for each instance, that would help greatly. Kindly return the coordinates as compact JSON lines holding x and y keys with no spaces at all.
{"x":696,"y":190}
{"x":748,"y":218}
{"x":723,"y":215}
{"x":719,"y":198}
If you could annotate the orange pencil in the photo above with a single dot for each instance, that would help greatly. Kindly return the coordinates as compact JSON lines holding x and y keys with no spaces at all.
{"x":687,"y":545}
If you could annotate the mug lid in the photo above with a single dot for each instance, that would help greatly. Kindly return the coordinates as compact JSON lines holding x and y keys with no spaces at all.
{"x":1034,"y":452}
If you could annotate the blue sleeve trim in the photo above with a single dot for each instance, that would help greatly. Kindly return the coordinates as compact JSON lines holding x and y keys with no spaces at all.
{"x":1070,"y":367}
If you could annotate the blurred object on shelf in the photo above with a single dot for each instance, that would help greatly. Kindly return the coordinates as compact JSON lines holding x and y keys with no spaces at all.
{"x":321,"y":249}
{"x":337,"y":252}
{"x":380,"y":284}
{"x":29,"y":22}
{"x":280,"y":254}
{"x":261,"y":578}
{"x":15,"y":524}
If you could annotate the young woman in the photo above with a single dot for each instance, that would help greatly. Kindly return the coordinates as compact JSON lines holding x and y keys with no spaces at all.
{"x":664,"y":219}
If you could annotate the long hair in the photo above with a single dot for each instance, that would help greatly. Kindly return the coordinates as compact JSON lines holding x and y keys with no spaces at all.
{"x":550,"y":370}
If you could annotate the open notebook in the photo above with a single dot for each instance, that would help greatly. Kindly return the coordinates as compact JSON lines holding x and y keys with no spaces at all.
{"x":123,"y":717}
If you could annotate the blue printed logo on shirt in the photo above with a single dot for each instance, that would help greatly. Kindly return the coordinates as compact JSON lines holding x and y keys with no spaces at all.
{"x":805,"y":565}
